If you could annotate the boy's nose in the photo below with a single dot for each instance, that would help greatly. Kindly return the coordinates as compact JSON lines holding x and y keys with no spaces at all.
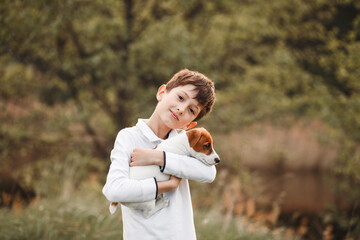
{"x":180,"y":110}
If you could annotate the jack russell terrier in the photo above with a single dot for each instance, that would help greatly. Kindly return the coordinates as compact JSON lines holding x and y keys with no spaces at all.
{"x":195,"y":143}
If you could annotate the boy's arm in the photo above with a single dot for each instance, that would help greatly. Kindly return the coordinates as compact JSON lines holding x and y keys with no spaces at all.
{"x":168,"y":186}
{"x":187,"y":167}
{"x":118,"y":187}
{"x":174,"y":164}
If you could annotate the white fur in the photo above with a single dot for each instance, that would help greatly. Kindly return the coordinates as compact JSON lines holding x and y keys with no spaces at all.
{"x":179,"y":145}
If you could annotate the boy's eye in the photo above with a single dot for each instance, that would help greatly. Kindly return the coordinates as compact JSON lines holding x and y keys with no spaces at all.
{"x":192,"y":111}
{"x":180,"y":97}
{"x":207,"y":146}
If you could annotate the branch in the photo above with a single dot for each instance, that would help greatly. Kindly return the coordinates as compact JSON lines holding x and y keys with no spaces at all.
{"x":102,"y":99}
{"x":100,"y":148}
{"x":78,"y":45}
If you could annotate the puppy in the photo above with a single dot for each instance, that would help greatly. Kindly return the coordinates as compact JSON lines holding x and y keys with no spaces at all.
{"x":195,"y":143}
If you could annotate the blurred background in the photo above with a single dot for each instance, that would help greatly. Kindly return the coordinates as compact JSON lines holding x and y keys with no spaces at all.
{"x":286,"y":122}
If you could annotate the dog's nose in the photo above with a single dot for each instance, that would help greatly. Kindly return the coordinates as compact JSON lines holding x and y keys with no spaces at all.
{"x":217,"y":160}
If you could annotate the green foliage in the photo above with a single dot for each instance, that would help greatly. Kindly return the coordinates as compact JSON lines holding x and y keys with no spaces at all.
{"x":72,"y":73}
{"x":287,"y":57}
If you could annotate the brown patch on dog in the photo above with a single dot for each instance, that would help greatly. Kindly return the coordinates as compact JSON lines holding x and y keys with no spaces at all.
{"x":193,"y":136}
{"x":200,"y":140}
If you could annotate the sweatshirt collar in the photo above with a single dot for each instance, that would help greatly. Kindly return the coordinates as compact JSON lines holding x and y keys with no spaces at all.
{"x":148,"y":133}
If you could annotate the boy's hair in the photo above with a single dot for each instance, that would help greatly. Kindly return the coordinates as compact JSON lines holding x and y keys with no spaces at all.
{"x":204,"y":86}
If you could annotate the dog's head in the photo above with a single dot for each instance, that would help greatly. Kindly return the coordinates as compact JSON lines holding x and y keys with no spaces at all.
{"x":202,"y":146}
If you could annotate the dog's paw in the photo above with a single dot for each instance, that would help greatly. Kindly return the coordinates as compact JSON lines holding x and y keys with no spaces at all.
{"x":147,"y":214}
{"x":160,"y":204}
{"x":160,"y":196}
{"x":163,"y":202}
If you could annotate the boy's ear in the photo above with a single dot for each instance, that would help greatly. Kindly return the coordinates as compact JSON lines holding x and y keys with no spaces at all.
{"x":191,"y":125}
{"x":160,"y":92}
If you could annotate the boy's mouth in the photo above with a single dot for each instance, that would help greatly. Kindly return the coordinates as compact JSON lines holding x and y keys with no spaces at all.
{"x":174,"y":115}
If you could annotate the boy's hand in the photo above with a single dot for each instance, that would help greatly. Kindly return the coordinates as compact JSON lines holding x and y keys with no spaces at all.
{"x":168,"y":186}
{"x":144,"y":157}
{"x":175,"y":181}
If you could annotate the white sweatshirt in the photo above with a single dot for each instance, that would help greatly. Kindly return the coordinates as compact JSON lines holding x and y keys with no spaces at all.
{"x":173,"y":222}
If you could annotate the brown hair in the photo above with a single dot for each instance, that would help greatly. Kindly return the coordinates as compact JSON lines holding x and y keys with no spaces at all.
{"x":204,"y":86}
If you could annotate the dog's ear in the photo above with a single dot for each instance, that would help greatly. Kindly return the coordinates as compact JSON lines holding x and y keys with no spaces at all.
{"x":194,"y":136}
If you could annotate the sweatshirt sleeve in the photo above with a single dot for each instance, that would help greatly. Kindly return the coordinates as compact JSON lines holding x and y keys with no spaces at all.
{"x":188,"y":168}
{"x":119,"y":187}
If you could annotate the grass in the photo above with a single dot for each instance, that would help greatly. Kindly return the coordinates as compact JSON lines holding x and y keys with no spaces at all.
{"x":51,"y":224}
{"x":54,"y":219}
{"x":85,"y":216}
{"x":212,"y":226}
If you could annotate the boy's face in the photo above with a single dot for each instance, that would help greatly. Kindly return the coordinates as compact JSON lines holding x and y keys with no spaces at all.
{"x":178,"y":107}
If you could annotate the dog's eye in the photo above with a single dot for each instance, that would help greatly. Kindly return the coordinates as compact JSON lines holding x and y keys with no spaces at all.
{"x":207,"y":146}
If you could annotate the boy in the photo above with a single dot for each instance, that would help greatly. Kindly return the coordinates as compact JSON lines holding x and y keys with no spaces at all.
{"x":186,"y":98}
